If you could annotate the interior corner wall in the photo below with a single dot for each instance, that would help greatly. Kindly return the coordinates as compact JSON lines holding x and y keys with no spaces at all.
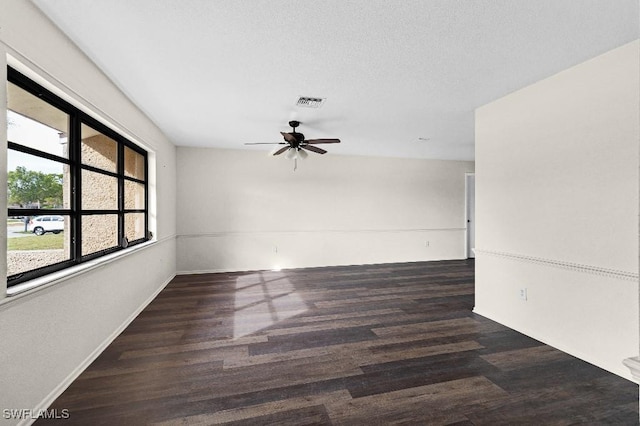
{"x":241,"y":210}
{"x":49,"y":336}
{"x":557,"y":209}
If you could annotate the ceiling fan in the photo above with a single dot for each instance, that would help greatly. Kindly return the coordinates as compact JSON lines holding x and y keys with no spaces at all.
{"x":296,"y":146}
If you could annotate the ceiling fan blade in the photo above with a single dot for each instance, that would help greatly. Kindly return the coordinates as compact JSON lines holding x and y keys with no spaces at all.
{"x":314,"y":149}
{"x":288,"y":137}
{"x":265,"y":143}
{"x":281,"y":150}
{"x":316,"y":141}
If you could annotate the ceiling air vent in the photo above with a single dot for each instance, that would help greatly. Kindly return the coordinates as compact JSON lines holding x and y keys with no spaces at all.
{"x":309,"y":102}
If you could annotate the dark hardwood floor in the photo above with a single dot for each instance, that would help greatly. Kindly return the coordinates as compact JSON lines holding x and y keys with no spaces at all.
{"x":382,"y":344}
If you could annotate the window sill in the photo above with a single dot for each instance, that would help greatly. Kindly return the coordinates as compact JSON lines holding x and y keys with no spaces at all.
{"x":41,"y":283}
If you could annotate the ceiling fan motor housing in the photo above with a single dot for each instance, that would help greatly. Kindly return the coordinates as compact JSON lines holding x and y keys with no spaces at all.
{"x":298,"y":138}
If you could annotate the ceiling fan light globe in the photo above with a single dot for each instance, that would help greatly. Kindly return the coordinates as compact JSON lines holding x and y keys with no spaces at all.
{"x":291,"y":154}
{"x":302,"y":154}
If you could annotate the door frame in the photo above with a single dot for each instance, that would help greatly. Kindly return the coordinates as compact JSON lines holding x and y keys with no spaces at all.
{"x":466,"y":214}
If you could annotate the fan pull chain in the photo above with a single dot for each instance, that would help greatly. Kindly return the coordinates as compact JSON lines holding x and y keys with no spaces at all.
{"x":295,"y":164}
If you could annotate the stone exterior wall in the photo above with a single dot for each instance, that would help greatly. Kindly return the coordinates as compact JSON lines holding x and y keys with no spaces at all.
{"x":26,"y":260}
{"x":101,"y":192}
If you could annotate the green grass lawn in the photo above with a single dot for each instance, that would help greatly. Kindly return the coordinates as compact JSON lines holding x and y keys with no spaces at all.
{"x":44,"y":242}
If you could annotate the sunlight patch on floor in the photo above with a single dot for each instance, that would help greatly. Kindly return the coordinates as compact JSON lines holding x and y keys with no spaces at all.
{"x":263,"y":299}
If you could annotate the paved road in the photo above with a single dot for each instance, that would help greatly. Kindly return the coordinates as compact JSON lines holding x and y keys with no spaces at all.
{"x":14,"y":231}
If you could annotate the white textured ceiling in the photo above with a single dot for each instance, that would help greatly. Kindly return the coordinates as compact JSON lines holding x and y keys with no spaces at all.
{"x":218,"y":73}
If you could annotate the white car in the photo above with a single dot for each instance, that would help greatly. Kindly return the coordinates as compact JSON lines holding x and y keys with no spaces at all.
{"x":41,"y":224}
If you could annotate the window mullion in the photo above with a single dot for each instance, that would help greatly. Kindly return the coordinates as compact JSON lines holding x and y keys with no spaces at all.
{"x":121,"y":195}
{"x":76,"y":191}
{"x":146,"y":197}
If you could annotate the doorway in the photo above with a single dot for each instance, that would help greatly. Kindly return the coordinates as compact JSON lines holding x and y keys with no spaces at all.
{"x":470,"y":213}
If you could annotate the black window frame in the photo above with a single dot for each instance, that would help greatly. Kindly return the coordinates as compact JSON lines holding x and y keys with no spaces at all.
{"x":75,"y":212}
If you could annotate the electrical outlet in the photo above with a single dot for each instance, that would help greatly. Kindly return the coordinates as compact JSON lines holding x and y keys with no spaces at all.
{"x":523,"y":294}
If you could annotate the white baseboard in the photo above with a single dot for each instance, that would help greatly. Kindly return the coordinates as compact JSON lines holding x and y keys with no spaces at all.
{"x":58,"y":390}
{"x":214,"y":271}
{"x":231,"y":270}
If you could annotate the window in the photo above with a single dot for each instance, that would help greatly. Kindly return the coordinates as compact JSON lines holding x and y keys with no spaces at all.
{"x":76,"y":189}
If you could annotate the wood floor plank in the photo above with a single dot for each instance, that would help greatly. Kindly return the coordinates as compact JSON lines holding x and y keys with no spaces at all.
{"x":440,"y":328}
{"x":345,"y":323}
{"x":158,"y":362}
{"x":255,"y":413}
{"x":188,"y":347}
{"x":371,"y":344}
{"x":439,"y":402}
{"x":519,"y":358}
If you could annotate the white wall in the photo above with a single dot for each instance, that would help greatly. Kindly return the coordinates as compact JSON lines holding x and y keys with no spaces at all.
{"x":48,"y":336}
{"x":237,"y":207}
{"x":557,"y":209}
